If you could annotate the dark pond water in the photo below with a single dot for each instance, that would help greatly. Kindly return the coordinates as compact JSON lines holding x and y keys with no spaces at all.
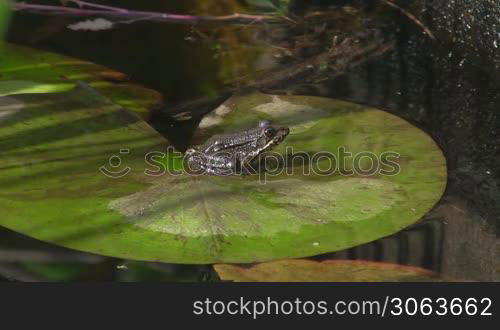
{"x":449,"y":87}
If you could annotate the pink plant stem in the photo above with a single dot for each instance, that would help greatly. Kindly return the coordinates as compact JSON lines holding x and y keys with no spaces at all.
{"x":106,"y":11}
{"x":95,"y":5}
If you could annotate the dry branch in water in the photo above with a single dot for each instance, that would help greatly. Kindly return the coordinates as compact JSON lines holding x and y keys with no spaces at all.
{"x":410,"y":16}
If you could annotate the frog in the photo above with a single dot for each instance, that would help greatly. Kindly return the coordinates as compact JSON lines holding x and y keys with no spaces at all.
{"x":235,"y":153}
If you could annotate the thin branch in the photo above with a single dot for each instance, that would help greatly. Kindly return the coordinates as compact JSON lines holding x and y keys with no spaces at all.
{"x":410,"y":16}
{"x":114,"y":12}
{"x":95,"y":5}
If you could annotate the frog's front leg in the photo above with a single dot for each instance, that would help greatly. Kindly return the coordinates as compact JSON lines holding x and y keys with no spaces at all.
{"x":249,"y":164}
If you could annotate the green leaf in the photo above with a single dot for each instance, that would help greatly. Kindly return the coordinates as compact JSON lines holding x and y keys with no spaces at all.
{"x":26,"y":70}
{"x":325,"y":271}
{"x":54,"y":146}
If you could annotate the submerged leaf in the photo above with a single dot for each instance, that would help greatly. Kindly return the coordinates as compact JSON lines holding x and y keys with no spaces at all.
{"x":325,"y":271}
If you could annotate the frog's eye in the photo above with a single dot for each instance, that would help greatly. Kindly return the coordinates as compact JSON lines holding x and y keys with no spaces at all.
{"x":269,"y":132}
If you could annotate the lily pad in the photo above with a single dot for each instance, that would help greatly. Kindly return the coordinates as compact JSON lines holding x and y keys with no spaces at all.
{"x":325,"y":271}
{"x":294,"y":213}
{"x":59,"y":156}
{"x":26,"y":70}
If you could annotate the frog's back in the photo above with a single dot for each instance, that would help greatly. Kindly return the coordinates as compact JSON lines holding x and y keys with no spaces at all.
{"x":233,"y":138}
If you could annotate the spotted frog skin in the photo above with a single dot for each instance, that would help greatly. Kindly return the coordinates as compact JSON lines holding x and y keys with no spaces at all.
{"x":235,"y":153}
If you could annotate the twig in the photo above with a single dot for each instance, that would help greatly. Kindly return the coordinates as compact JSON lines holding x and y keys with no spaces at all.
{"x":115,"y":12}
{"x":95,"y":5}
{"x":411,"y":17}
